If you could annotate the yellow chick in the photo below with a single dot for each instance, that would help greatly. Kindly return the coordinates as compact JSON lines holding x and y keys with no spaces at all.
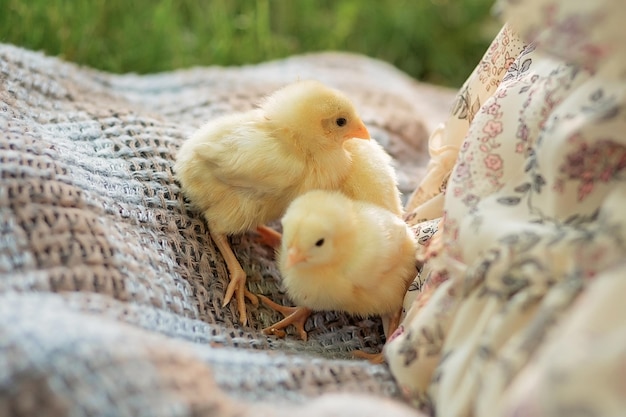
{"x":242,"y":171}
{"x":372,"y":177}
{"x":346,"y":255}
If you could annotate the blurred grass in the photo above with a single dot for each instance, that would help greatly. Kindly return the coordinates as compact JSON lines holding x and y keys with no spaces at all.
{"x":438,"y":41}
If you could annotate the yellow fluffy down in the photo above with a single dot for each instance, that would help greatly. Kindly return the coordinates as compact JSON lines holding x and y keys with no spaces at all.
{"x":353,"y":256}
{"x":243,"y":170}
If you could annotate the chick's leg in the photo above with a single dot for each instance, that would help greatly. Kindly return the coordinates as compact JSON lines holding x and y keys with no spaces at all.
{"x":394,"y":323}
{"x":293,"y":315}
{"x":269,"y":237}
{"x":237,"y":285}
{"x":392,"y":326}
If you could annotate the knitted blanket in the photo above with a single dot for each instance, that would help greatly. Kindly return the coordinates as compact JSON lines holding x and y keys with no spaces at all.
{"x":110,"y":286}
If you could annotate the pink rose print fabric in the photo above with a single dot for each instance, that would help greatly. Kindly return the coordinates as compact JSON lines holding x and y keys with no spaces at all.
{"x":517,"y":310}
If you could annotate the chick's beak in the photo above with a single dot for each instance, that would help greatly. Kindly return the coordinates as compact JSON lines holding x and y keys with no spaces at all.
{"x":360,"y":131}
{"x":294,"y":257}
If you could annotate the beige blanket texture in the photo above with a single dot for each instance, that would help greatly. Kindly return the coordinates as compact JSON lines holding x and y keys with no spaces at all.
{"x":110,"y":286}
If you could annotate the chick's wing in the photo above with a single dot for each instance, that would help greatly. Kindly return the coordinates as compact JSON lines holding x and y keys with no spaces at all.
{"x":246,"y":157}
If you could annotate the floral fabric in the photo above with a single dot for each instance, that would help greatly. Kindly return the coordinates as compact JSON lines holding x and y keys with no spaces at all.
{"x":516,"y":309}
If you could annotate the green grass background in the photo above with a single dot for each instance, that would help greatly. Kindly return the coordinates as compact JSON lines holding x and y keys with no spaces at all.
{"x":438,"y":41}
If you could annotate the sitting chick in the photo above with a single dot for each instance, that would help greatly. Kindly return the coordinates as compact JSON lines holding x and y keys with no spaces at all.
{"x":346,"y":255}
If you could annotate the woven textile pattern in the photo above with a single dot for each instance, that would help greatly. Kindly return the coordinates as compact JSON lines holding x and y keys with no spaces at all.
{"x":110,"y":286}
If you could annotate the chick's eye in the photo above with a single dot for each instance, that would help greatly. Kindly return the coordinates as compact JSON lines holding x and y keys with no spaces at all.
{"x":341,"y":121}
{"x":319,"y":242}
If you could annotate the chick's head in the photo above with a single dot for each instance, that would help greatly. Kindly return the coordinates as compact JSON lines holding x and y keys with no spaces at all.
{"x":313,"y":111}
{"x":316,"y":230}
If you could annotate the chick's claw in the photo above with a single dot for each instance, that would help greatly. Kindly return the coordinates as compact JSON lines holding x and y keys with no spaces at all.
{"x":293,"y":315}
{"x":274,"y":332}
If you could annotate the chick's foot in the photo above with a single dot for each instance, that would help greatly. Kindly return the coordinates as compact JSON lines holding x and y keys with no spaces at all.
{"x":269,"y":236}
{"x":293,"y":315}
{"x":237,"y":285}
{"x":375,"y":358}
{"x":393,"y":324}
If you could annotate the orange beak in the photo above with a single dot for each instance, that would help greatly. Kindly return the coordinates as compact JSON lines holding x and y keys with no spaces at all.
{"x":359,"y":132}
{"x":294,"y":257}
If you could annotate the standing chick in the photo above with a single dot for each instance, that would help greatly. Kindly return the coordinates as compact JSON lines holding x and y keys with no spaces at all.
{"x":242,"y":171}
{"x":347,"y":255}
